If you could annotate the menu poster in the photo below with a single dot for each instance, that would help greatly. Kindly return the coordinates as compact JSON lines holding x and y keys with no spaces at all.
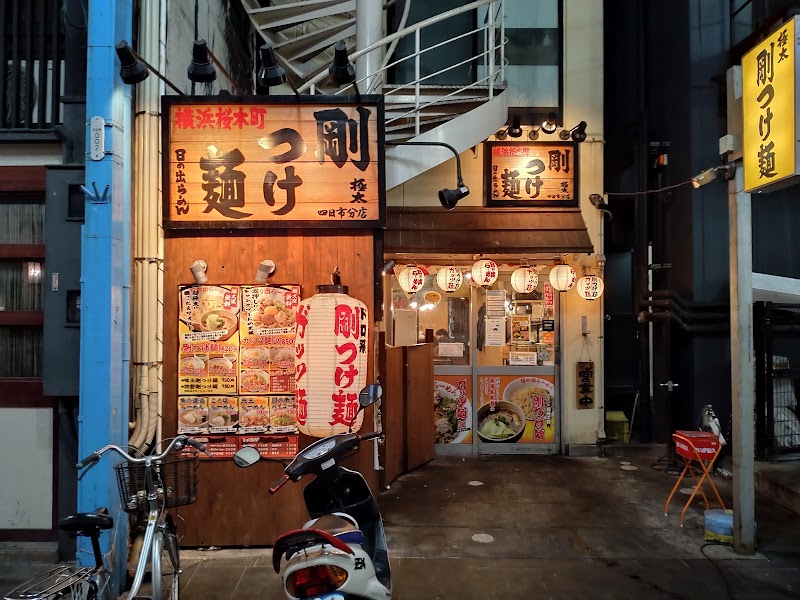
{"x":282,"y":414}
{"x":517,"y":410}
{"x":223,"y":414}
{"x":495,"y":304}
{"x":192,"y":415}
{"x":520,"y":328}
{"x":495,"y":332}
{"x":273,"y":446}
{"x":218,"y":446}
{"x":208,"y":334}
{"x":452,"y":409}
{"x":253,"y":414}
{"x":267,"y":339}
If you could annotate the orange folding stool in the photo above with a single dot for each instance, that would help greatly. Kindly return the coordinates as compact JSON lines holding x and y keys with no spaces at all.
{"x":697,"y":448}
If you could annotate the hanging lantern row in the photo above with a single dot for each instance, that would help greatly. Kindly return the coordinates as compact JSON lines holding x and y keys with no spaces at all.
{"x":524,"y":280}
{"x":590,"y":287}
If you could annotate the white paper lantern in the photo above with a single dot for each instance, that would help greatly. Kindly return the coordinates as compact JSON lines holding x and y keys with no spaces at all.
{"x":331,"y":350}
{"x":411,"y":279}
{"x":484,"y":272}
{"x":562,"y":277}
{"x":449,"y":279}
{"x":524,"y":280}
{"x":590,"y":287}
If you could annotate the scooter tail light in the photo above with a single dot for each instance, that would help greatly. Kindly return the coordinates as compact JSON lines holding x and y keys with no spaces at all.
{"x":315,"y":581}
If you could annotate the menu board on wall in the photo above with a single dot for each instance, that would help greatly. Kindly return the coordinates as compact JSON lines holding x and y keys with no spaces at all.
{"x":452,"y":409}
{"x":514,"y":409}
{"x":208,"y":339}
{"x":236,"y":363}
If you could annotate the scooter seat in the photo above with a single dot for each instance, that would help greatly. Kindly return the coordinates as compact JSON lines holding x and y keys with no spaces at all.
{"x":338,"y":525}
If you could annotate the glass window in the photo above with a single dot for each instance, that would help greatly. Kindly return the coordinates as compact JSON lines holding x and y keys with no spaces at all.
{"x":20,"y":285}
{"x":515,"y":329}
{"x":21,"y":223}
{"x":445,"y":315}
{"x":21,"y":349}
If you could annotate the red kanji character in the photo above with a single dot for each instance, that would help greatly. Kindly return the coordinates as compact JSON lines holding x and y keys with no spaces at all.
{"x":205,"y":118}
{"x":346,"y":321}
{"x":340,"y":374}
{"x":302,"y":320}
{"x":184,"y":118}
{"x":300,"y":350}
{"x":300,"y":370}
{"x":224,"y":118}
{"x":302,"y":406}
{"x":257,"y":117}
{"x":345,"y":408}
{"x":240,"y":118}
{"x":349,"y":347}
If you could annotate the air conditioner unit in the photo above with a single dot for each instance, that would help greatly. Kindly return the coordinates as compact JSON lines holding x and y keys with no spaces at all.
{"x":39,"y":91}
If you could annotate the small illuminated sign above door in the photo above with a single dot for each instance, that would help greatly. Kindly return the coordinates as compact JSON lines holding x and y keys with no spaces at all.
{"x":531,"y":174}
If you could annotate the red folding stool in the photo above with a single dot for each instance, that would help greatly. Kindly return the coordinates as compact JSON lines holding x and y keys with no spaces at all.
{"x":700,"y":448}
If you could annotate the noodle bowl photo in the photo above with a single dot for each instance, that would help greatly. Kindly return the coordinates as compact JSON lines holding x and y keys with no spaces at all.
{"x":506,"y":423}
{"x":532,"y":394}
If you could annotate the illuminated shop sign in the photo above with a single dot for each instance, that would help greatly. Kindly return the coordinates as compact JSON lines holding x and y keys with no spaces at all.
{"x":769,"y":110}
{"x":531,"y":174}
{"x":257,"y":163}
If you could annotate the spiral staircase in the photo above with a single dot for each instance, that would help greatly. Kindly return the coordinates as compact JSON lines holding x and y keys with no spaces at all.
{"x":303,"y":33}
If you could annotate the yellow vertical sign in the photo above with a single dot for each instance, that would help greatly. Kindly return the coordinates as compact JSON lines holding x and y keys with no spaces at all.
{"x":768,"y":108}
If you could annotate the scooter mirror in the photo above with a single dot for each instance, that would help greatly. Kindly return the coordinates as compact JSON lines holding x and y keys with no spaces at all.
{"x":246,"y":456}
{"x":370,"y":395}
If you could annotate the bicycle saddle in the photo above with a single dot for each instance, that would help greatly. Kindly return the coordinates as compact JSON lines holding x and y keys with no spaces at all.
{"x":87,"y":523}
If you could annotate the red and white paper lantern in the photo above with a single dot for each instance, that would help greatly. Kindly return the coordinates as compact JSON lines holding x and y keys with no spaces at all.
{"x":484,"y":272}
{"x":562,"y":277}
{"x":449,"y":279}
{"x":331,"y":350}
{"x":590,"y":287}
{"x":524,"y":280}
{"x":411,"y":279}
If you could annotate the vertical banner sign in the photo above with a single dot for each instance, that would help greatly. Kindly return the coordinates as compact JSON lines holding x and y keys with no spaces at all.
{"x":531,"y":174}
{"x":330,"y":363}
{"x":584,"y":384}
{"x":769,"y":92}
{"x":258,"y":162}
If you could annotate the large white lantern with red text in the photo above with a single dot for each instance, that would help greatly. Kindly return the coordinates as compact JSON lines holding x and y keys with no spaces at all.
{"x":449,"y":279}
{"x":331,"y":349}
{"x":484,"y":272}
{"x":590,"y":287}
{"x":562,"y":277}
{"x":524,"y":280}
{"x":411,"y":279}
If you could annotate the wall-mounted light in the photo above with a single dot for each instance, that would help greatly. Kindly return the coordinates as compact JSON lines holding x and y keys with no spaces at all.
{"x":448,"y":198}
{"x":387,"y":267}
{"x":198,"y":269}
{"x":271,"y":74}
{"x":341,"y":70}
{"x":728,"y":172}
{"x":135,"y":69}
{"x":200,"y":69}
{"x":577,"y":133}
{"x":533,"y":134}
{"x":265,"y":269}
{"x":549,"y":125}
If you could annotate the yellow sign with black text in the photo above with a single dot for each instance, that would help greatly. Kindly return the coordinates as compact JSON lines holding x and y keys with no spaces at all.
{"x":768,"y":109}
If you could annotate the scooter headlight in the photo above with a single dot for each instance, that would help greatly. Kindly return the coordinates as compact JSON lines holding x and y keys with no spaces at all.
{"x":315,"y":581}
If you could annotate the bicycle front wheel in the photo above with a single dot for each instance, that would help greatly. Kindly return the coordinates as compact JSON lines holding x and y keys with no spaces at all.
{"x":166,"y":566}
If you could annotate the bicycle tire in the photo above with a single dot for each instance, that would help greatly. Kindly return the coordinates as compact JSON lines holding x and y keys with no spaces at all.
{"x":165,"y":566}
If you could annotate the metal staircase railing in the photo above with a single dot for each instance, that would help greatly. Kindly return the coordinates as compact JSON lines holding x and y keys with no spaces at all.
{"x":487,"y":85}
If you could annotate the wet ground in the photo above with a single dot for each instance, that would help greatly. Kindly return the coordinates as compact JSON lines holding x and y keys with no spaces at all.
{"x":541,"y":527}
{"x":511,"y":528}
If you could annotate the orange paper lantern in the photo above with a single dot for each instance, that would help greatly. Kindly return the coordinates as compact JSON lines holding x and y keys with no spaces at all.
{"x":590,"y":287}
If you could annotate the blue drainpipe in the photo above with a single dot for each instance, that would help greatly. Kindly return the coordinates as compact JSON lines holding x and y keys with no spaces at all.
{"x":106,"y":276}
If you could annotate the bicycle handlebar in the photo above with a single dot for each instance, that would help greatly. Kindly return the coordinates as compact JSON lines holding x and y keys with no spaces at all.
{"x":94,"y":457}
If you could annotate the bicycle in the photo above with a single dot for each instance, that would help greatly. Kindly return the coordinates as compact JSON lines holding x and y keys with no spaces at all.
{"x":150,"y":484}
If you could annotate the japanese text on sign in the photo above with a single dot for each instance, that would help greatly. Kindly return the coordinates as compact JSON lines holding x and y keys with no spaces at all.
{"x":273,"y":162}
{"x":530,"y":174}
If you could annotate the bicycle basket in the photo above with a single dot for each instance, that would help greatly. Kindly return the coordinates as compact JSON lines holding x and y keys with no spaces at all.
{"x":179,"y":478}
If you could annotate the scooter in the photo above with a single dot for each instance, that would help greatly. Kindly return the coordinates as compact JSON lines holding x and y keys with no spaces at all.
{"x":341,"y":553}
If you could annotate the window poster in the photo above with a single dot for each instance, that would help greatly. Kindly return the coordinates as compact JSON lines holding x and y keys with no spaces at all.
{"x":516,"y":410}
{"x":452,"y":409}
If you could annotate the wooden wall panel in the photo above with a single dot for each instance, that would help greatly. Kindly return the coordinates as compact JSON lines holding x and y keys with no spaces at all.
{"x":420,"y":429}
{"x":234,"y":507}
{"x":393,"y":412}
